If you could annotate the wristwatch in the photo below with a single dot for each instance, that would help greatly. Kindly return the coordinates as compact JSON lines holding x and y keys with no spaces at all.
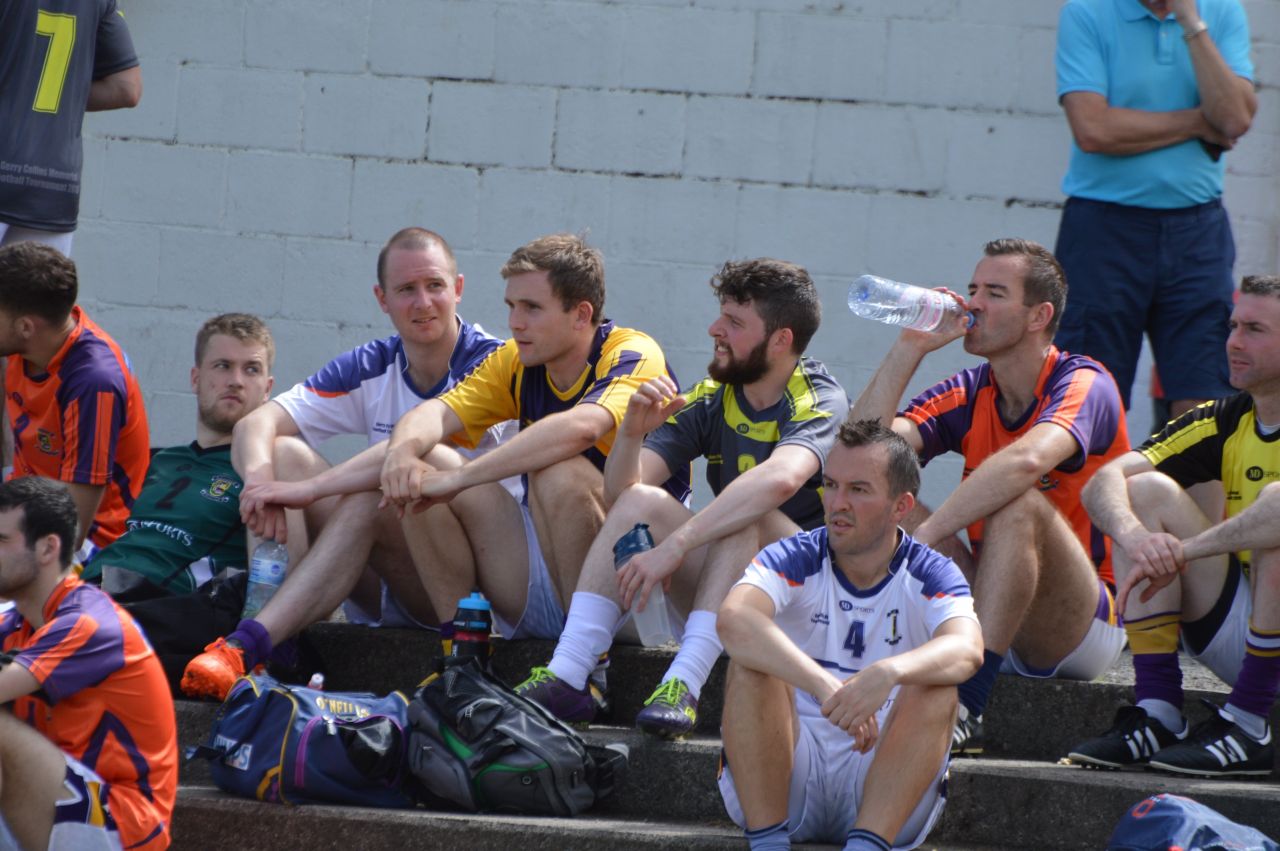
{"x":1200,"y":27}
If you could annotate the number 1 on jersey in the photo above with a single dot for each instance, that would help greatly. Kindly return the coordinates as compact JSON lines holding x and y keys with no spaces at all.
{"x":853,"y":641}
{"x":61,"y":32}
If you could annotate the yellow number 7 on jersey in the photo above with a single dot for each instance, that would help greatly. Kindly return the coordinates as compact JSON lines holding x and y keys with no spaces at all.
{"x":61,"y":30}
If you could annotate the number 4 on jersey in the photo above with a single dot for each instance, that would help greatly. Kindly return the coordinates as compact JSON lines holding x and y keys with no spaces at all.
{"x":60,"y":29}
{"x":853,"y":641}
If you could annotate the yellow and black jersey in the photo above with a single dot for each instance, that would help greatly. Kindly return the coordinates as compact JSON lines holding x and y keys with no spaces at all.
{"x":719,"y":424}
{"x":1218,"y":441}
{"x":501,"y":388}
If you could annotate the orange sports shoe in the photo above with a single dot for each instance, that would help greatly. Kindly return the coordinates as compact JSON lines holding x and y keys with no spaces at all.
{"x":213,"y":672}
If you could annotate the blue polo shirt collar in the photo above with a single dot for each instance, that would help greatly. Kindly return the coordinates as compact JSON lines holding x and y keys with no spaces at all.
{"x":1133,"y":10}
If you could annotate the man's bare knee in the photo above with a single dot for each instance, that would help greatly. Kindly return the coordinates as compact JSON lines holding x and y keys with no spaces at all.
{"x":639,"y":501}
{"x":293,"y":460}
{"x":1026,"y":511}
{"x":1152,"y":490}
{"x":573,"y":478}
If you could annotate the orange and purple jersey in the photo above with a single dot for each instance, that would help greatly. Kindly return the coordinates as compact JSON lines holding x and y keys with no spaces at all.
{"x":82,"y":421}
{"x":1075,"y":392}
{"x":104,"y":700}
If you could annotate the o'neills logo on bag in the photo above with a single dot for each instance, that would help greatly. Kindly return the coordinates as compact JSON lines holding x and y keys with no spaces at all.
{"x":340,"y":708}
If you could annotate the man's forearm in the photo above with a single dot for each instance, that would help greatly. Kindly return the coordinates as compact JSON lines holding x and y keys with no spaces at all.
{"x":87,"y":499}
{"x":879,"y":400}
{"x":997,"y":482}
{"x":1227,"y":100}
{"x":622,"y":467}
{"x":756,"y":642}
{"x":1125,"y":132}
{"x":746,"y":499}
{"x":952,"y":656}
{"x":549,"y":441}
{"x":357,"y":474}
{"x":1255,"y":528}
{"x":419,"y":430}
{"x":121,"y":90}
{"x":1106,"y":499}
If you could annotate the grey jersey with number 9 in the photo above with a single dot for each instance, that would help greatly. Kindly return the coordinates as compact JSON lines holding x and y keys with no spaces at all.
{"x":50,"y":52}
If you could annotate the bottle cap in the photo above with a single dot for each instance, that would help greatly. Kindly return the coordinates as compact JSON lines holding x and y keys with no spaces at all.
{"x":636,"y":541}
{"x":474,"y":601}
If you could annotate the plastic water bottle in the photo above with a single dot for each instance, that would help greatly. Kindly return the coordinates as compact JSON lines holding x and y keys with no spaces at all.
{"x":472,"y":624}
{"x":901,"y":304}
{"x":653,"y":624}
{"x":266,"y":574}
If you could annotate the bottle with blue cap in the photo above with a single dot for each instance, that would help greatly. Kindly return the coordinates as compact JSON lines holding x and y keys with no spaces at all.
{"x":471,"y":626}
{"x":653,"y":624}
{"x":905,"y":305}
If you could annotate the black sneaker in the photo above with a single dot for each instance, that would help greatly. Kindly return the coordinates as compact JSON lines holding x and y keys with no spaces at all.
{"x":1133,"y":739}
{"x":966,"y":738}
{"x":1218,"y":747}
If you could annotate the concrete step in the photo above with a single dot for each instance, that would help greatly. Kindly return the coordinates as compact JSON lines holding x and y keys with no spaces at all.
{"x":206,"y":818}
{"x":996,"y":802}
{"x":1035,"y":805}
{"x":1026,"y":719}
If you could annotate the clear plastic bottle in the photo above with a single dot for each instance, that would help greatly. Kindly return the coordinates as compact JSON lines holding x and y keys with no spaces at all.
{"x":653,"y":624}
{"x":900,"y":304}
{"x":266,"y":574}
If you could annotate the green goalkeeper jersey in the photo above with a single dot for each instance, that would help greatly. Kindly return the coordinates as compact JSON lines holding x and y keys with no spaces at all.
{"x":185,"y":525}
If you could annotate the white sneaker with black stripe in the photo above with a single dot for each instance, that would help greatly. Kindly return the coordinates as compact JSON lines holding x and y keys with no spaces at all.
{"x":1218,"y":747}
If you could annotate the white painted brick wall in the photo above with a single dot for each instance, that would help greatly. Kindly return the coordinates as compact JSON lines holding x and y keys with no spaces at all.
{"x":280,"y":142}
{"x":630,"y":132}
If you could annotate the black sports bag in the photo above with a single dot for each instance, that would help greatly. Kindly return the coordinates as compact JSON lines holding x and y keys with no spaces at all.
{"x":476,"y":745}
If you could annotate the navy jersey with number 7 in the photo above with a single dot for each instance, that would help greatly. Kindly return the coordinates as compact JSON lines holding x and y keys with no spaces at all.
{"x":50,"y":53}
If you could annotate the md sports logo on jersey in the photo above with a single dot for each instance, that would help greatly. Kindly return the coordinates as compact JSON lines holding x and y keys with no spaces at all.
{"x":1257,"y":474}
{"x":217,"y":490}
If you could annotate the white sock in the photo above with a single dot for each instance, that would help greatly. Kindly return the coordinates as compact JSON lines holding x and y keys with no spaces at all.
{"x":1166,"y":713}
{"x":1254,"y":725}
{"x":588,"y":632}
{"x":700,"y":647}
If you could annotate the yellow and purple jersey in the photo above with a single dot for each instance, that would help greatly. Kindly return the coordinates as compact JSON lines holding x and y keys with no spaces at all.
{"x":501,"y":388}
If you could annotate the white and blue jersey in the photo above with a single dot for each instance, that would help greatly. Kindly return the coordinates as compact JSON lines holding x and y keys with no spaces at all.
{"x":845,"y":629}
{"x":367,"y":390}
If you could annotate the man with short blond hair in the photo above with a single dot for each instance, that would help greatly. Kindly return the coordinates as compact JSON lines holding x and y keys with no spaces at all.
{"x":185,"y":525}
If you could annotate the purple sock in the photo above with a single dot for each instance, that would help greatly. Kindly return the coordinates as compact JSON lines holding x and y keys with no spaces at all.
{"x":253,"y":637}
{"x":1157,"y":676}
{"x":1258,"y":682}
{"x":976,"y":691}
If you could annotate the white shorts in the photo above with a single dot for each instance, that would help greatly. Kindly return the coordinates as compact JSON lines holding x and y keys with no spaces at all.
{"x":81,"y":818}
{"x":1224,"y":655}
{"x":1093,"y":657}
{"x":14,"y":233}
{"x":543,"y":616}
{"x":827,"y":780}
{"x":392,"y":613}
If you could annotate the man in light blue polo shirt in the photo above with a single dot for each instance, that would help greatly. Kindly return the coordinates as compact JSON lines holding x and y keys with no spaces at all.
{"x":1154,"y":92}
